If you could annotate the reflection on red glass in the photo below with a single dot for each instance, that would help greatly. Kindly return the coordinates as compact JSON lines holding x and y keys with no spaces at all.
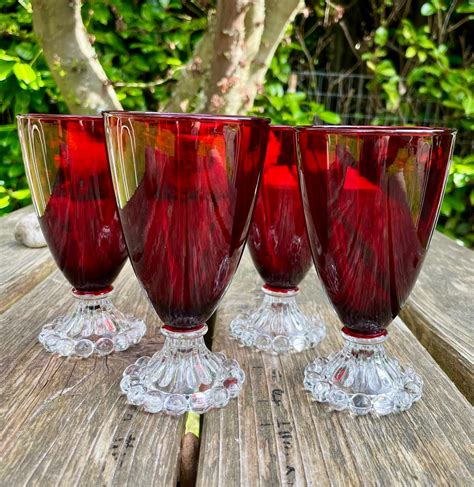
{"x":187,"y":220}
{"x":80,"y":222}
{"x":277,"y":239}
{"x":371,"y":204}
{"x":71,"y":186}
{"x":280,"y":251}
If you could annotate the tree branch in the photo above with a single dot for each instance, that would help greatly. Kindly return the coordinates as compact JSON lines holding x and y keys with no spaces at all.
{"x":194,"y":75}
{"x":229,"y":42}
{"x":71,"y":57}
{"x":278,"y":16}
{"x":227,"y":69}
{"x":247,"y":35}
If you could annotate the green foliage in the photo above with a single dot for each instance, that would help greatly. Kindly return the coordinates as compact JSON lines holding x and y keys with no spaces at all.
{"x":144,"y":45}
{"x":282,"y":106}
{"x":26,"y":85}
{"x":434,"y":72}
{"x":422,"y":52}
{"x":457,"y":210}
{"x":141,"y":59}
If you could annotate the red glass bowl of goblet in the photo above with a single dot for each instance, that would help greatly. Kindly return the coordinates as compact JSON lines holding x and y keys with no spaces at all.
{"x":185,"y":187}
{"x":280,"y":251}
{"x":371,"y":198}
{"x":68,"y":173}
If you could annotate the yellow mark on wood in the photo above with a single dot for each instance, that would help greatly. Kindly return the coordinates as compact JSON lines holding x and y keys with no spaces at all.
{"x":192,"y":424}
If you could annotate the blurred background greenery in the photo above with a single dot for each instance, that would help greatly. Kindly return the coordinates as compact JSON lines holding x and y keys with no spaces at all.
{"x":378,"y":62}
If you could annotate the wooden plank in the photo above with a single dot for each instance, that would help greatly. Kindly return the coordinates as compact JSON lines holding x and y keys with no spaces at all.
{"x":275,"y":434}
{"x":64,"y":421}
{"x":440,"y":311}
{"x":21,"y":268}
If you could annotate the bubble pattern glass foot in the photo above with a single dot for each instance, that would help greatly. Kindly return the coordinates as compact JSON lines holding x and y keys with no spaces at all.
{"x":94,"y":326}
{"x":184,"y":376}
{"x":278,"y":325}
{"x":362,"y":379}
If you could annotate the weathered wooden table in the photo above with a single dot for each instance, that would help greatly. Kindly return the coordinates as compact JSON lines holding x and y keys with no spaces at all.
{"x":65,"y":423}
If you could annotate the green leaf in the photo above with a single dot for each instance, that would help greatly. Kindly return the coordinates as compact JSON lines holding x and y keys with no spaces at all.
{"x":426,"y":43}
{"x":466,"y":8}
{"x":6,"y":57}
{"x":408,"y":30}
{"x":330,"y":117}
{"x":101,"y":13}
{"x":468,"y":105}
{"x":422,"y":56}
{"x":6,"y":67}
{"x":24,"y":72}
{"x":22,"y":101}
{"x":16,"y":170}
{"x":410,"y":52}
{"x":385,"y":68}
{"x":381,"y":36}
{"x":4,"y":201}
{"x":371,"y":65}
{"x":174,"y":61}
{"x":455,"y":203}
{"x":393,"y":95}
{"x":20,"y":194}
{"x":427,"y":9}
{"x":25,"y":50}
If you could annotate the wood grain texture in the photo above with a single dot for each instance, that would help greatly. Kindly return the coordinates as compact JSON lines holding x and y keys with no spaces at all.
{"x":21,"y":268}
{"x":440,"y":311}
{"x":275,"y":434}
{"x":64,"y":421}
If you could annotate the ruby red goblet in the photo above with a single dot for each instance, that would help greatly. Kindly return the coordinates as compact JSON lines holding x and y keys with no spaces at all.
{"x":185,"y":187}
{"x":371,"y":198}
{"x":67,"y":169}
{"x":280,"y":251}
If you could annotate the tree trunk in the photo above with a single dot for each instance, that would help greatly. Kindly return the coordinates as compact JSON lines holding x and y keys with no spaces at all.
{"x":241,"y":41}
{"x":279,"y":14}
{"x":229,"y":59}
{"x":224,"y":75}
{"x":71,"y":57}
{"x":194,"y":77}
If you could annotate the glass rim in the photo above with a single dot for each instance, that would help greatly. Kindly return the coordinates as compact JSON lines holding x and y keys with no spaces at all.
{"x":53,"y":116}
{"x":377,"y":130}
{"x":283,"y":128}
{"x":185,"y":116}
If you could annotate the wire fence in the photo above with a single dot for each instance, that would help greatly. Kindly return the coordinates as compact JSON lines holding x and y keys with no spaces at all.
{"x":350,"y":96}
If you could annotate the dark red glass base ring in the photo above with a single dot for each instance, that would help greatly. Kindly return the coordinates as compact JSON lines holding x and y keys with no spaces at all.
{"x":174,"y":329}
{"x":100,"y":292}
{"x":366,"y":336}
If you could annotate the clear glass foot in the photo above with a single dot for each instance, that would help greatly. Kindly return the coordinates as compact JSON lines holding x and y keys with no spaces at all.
{"x":362,"y":379}
{"x":94,"y":326}
{"x":183,"y":376}
{"x":278,"y":325}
